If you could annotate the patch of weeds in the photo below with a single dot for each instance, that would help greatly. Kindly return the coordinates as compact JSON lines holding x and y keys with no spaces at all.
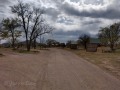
{"x":1,"y":55}
{"x":28,"y":52}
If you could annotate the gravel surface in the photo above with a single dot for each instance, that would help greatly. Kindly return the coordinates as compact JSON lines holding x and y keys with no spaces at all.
{"x":53,"y":69}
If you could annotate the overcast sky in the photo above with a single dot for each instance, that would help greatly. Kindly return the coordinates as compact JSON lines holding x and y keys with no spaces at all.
{"x":72,"y":18}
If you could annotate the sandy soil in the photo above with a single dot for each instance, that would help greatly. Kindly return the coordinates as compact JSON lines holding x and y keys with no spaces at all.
{"x":53,"y":69}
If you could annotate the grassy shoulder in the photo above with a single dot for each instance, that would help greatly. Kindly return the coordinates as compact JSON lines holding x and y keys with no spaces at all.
{"x":27,"y":52}
{"x":107,"y":61}
{"x":32,"y":51}
{"x":20,"y":50}
{"x":12,"y":51}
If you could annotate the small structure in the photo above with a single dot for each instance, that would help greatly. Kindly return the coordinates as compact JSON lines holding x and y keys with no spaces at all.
{"x":62,"y":45}
{"x":73,"y":45}
{"x":6,"y":45}
{"x":21,"y":44}
{"x":93,"y":45}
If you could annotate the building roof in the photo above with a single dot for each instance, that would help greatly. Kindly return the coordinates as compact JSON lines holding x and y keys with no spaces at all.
{"x":73,"y":42}
{"x":94,"y":40}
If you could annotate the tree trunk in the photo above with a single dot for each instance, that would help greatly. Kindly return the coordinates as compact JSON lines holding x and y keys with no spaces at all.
{"x":34,"y":43}
{"x":28,"y":45}
{"x":112,"y":47}
{"x":13,"y":42}
{"x":85,"y":46}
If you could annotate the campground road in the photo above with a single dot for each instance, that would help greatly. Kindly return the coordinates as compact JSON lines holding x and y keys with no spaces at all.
{"x":53,"y":69}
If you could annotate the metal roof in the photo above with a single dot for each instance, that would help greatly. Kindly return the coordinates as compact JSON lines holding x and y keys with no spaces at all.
{"x":94,"y":40}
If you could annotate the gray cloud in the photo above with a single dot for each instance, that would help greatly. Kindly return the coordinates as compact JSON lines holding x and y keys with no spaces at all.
{"x":64,"y":36}
{"x":4,"y":8}
{"x":92,"y":22}
{"x":65,"y":20}
{"x":4,"y":1}
{"x":110,"y":13}
{"x":52,"y":12}
{"x":74,"y":0}
{"x":3,"y":4}
{"x":95,"y":2}
{"x":69,"y":20}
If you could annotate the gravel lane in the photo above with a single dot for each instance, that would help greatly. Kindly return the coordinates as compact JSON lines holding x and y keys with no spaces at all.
{"x":53,"y":69}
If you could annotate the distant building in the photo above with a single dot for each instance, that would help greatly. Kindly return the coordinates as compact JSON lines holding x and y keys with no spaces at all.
{"x":95,"y":41}
{"x":22,"y":44}
{"x":93,"y":45}
{"x":73,"y":45}
{"x":62,"y":45}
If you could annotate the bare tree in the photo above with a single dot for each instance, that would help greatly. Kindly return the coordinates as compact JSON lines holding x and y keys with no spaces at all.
{"x":102,"y":37}
{"x":84,"y":39}
{"x":42,"y":29}
{"x":9,"y":30}
{"x":50,"y":42}
{"x":110,"y":35}
{"x":31,"y":18}
{"x":68,"y":44}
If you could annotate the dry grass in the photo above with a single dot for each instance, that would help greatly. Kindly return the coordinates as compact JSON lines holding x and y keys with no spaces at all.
{"x":107,"y":61}
{"x":27,"y":52}
{"x":13,"y":51}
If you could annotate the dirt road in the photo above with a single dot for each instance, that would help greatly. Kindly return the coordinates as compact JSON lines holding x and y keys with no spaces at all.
{"x":53,"y":69}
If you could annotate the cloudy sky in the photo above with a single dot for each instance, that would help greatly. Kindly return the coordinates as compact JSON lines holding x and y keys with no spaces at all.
{"x":72,"y":18}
